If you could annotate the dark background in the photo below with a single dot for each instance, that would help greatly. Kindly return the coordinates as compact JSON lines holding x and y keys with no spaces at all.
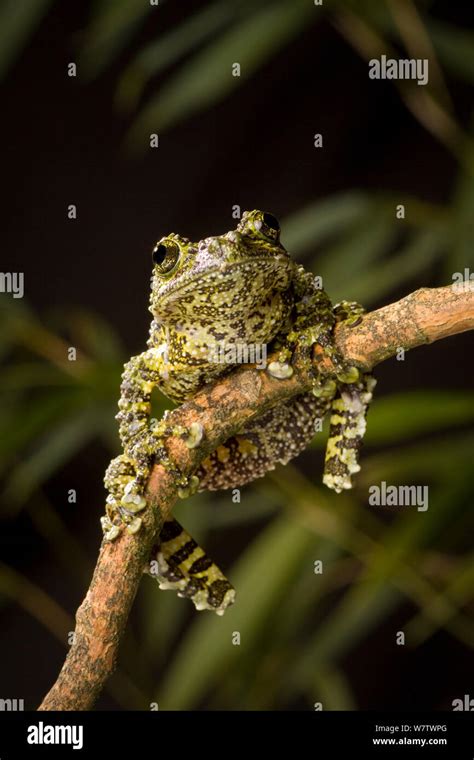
{"x":64,"y":142}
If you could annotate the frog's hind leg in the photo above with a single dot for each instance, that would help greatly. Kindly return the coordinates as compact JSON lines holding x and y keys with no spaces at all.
{"x":178,"y":563}
{"x":347,"y":428}
{"x":275,"y":437}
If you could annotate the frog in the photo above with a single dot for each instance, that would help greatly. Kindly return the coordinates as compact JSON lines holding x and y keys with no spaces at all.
{"x":234,"y":289}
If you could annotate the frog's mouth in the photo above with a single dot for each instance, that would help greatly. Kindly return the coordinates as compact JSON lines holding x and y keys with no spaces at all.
{"x":224,"y":289}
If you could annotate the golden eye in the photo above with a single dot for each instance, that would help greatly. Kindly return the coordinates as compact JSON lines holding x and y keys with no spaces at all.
{"x":165,"y":255}
{"x":268,"y":225}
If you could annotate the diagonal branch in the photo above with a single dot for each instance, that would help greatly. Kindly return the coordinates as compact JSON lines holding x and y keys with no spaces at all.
{"x":222,"y":408}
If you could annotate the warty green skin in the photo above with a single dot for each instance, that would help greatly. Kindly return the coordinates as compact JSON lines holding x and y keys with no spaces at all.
{"x":235,"y":289}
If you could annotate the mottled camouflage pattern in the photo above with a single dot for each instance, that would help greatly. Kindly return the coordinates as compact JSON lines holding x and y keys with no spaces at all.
{"x":237,"y":289}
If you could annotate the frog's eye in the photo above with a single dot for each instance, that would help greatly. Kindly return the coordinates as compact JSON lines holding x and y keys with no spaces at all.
{"x":165,"y":255}
{"x":268,"y":225}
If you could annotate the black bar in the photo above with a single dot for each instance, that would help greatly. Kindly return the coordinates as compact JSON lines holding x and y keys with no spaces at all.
{"x":368,"y":734}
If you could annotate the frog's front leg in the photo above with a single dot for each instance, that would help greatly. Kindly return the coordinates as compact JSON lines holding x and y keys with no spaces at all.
{"x":143,"y":443}
{"x":313,"y":325}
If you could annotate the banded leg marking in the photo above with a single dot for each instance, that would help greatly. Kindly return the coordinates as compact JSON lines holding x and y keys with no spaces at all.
{"x":178,"y":563}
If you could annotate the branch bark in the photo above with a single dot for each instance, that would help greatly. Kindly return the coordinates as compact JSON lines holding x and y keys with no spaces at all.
{"x":422,"y":317}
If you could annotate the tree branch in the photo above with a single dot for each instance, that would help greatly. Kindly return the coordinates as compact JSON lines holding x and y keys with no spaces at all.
{"x":222,"y":408}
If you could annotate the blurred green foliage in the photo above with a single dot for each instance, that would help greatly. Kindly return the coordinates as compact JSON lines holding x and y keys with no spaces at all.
{"x":295,"y":625}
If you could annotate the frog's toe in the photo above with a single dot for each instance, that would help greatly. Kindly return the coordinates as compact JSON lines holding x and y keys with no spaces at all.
{"x":133,"y":499}
{"x":188,"y":487}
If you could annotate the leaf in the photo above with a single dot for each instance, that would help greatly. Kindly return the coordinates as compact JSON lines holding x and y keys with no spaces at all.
{"x":435,"y":460}
{"x":437,"y":612}
{"x":397,"y":417}
{"x":374,"y":595}
{"x":406,"y":576}
{"x":455,"y":48}
{"x":425,"y":248}
{"x":170,"y":47}
{"x":18,"y":20}
{"x":221,"y":512}
{"x":308,"y":591}
{"x":453,"y":45}
{"x":26,"y":375}
{"x":261,"y":576}
{"x":322,"y":219}
{"x":365,"y":242}
{"x":111,"y":27}
{"x":22,"y":421}
{"x":56,"y":448}
{"x":207,"y":77}
{"x":462,"y":253}
{"x":333,"y":690}
{"x":97,"y":337}
{"x":161,"y":619}
{"x":36,"y":602}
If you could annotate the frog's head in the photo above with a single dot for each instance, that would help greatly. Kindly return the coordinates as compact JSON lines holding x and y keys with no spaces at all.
{"x":223,"y":277}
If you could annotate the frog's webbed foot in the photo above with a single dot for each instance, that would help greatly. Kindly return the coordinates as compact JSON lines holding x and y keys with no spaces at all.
{"x":179,"y":564}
